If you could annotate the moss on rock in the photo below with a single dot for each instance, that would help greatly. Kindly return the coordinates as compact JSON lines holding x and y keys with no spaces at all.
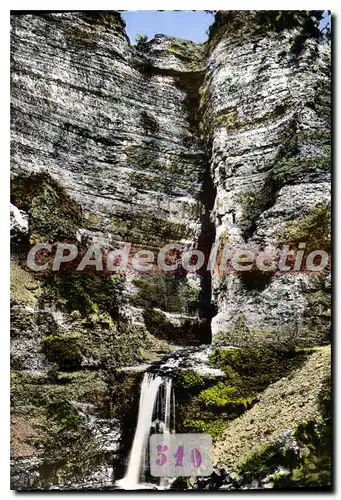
{"x":109,"y":20}
{"x":169,"y":292}
{"x":238,"y":26}
{"x":305,"y":456}
{"x":313,"y":229}
{"x":63,"y":350}
{"x":24,"y":287}
{"x":148,"y":229}
{"x":86,"y":292}
{"x":53,"y":215}
{"x":209,"y":404}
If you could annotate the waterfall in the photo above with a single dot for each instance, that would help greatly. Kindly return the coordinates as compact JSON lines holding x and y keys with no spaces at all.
{"x":156,"y":415}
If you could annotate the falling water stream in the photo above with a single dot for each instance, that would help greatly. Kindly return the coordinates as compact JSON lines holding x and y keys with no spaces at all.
{"x":156,"y":415}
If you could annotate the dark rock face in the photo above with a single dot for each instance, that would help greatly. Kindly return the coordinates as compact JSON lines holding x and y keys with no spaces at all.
{"x":220,"y":479}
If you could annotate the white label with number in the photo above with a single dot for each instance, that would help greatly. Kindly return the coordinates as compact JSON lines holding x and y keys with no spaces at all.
{"x":174,"y":455}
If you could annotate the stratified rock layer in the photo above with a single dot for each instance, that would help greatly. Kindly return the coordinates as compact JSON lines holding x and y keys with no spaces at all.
{"x":266,"y":102}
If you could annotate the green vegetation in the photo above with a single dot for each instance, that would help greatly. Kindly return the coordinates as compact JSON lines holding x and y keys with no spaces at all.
{"x":263,"y":461}
{"x":188,"y":52}
{"x":237,"y":26}
{"x":141,"y":40}
{"x":320,"y":138}
{"x":313,"y":229}
{"x":68,"y":450}
{"x":32,"y":392}
{"x":308,"y":462}
{"x":228,"y":118}
{"x":189,"y":84}
{"x":84,"y":37}
{"x":169,"y":292}
{"x":91,"y":220}
{"x":24,"y":287}
{"x":53,"y":215}
{"x":278,"y":338}
{"x":158,"y":324}
{"x":85,"y":292}
{"x":188,"y":379}
{"x":124,"y":390}
{"x":288,"y":167}
{"x":110,"y":20}
{"x":79,"y":39}
{"x":148,"y":229}
{"x":207,"y":404}
{"x":65,"y":351}
{"x":64,"y":413}
{"x":214,"y":428}
{"x":251,"y":370}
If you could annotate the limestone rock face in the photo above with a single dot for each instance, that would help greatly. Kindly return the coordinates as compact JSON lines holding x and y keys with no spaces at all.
{"x":87,"y":109}
{"x":267,"y":117}
{"x":19,"y":222}
{"x":168,"y":141}
{"x":121,"y":128}
{"x":112,"y":124}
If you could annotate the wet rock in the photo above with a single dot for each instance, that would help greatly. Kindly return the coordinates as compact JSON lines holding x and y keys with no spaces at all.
{"x":220,"y":479}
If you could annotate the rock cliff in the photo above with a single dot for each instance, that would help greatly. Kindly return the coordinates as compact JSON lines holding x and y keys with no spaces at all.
{"x":266,"y":100}
{"x":168,"y":141}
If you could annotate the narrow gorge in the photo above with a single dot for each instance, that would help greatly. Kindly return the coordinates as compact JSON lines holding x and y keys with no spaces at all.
{"x":198,"y":146}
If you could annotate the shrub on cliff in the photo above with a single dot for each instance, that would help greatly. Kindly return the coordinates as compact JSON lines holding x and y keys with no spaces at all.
{"x":141,"y":40}
{"x":86,"y":292}
{"x":252,"y":370}
{"x":170,"y":293}
{"x":65,"y":351}
{"x":64,"y":413}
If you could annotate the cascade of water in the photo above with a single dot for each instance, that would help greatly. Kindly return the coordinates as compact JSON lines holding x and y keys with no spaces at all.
{"x":156,"y":402}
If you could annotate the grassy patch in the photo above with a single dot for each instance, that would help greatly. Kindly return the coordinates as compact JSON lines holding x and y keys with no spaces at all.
{"x":208,"y":404}
{"x":308,"y":463}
